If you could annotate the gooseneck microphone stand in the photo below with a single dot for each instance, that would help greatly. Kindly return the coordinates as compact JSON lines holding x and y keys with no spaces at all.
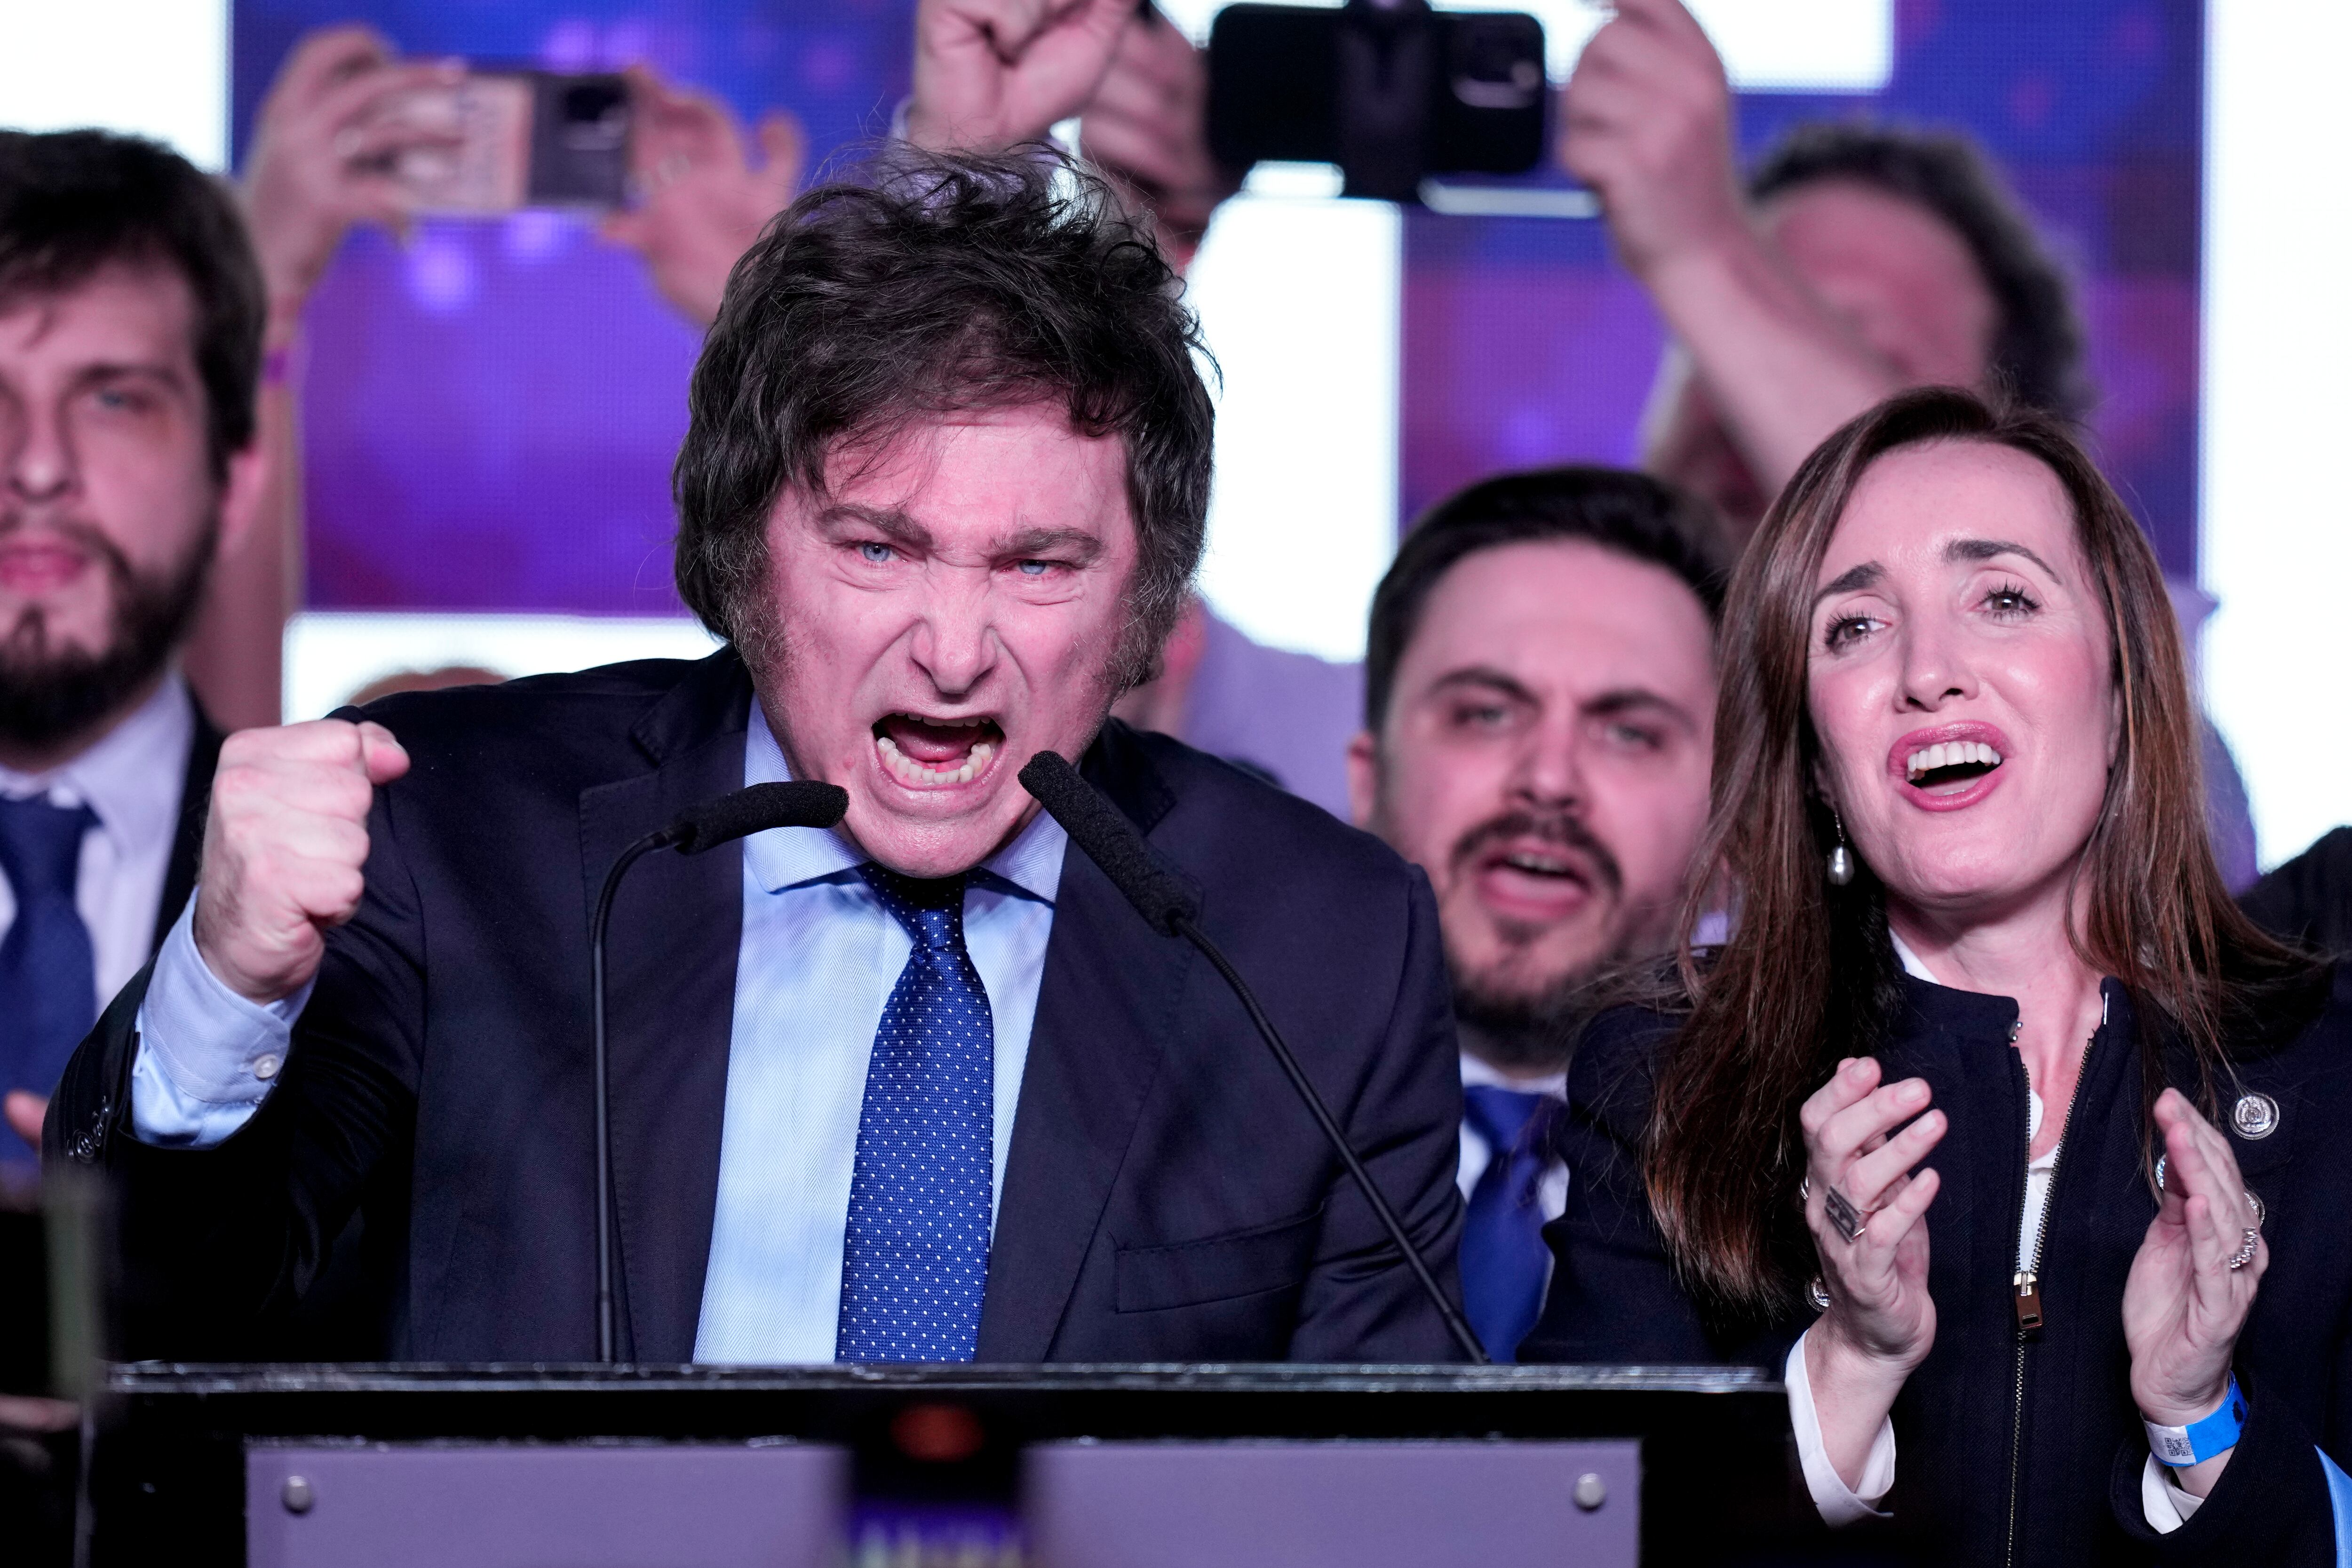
{"x":1111,"y":842}
{"x":797,"y":804}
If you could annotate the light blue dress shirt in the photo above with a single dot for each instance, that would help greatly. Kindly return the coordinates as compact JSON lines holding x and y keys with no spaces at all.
{"x":818,"y":958}
{"x":805,"y":1017}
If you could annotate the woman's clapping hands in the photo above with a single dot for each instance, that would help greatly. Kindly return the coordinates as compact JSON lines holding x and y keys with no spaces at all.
{"x":2184,"y":1306}
{"x":1880,"y":1322}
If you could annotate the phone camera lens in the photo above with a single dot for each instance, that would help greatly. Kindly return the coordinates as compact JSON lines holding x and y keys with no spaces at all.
{"x":1497,"y":64}
{"x":595,"y":117}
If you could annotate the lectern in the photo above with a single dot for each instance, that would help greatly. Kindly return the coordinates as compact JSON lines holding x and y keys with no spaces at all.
{"x":959,"y":1466}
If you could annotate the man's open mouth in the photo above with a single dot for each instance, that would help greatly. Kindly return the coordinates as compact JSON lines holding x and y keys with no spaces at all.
{"x":1538,"y":881}
{"x":922,"y":752}
{"x":1545,"y":862}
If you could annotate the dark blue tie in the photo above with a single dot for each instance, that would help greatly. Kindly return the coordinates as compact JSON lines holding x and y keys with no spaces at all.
{"x":914,"y":1261}
{"x":1504,"y":1260}
{"x":48,"y":975}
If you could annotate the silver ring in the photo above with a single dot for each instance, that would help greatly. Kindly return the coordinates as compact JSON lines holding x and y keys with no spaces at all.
{"x":2245,"y":1254}
{"x":2253,"y":1198}
{"x":1850,"y":1221}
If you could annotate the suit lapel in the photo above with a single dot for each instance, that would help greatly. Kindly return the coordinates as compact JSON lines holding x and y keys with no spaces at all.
{"x":1107,"y":1010}
{"x":188,"y":841}
{"x":677,"y":922}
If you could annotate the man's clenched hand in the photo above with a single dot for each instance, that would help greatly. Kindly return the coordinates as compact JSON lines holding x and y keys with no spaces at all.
{"x":992,"y":73}
{"x":285,"y":848}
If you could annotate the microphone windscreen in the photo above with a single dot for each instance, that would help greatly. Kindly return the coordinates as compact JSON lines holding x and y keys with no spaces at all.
{"x":802,"y":803}
{"x":1110,"y":841}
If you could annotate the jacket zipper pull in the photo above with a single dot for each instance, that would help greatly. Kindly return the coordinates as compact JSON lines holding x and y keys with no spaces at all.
{"x":2028,"y":1301}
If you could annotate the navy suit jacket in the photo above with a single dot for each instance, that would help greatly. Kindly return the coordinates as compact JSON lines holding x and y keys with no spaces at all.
{"x":1166,"y":1196}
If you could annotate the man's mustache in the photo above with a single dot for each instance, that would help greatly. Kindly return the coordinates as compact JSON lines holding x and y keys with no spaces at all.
{"x":1561,"y":827}
{"x":27,"y":638}
{"x":80,"y":532}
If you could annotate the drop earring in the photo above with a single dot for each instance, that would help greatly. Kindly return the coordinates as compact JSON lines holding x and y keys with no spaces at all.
{"x":1840,"y":857}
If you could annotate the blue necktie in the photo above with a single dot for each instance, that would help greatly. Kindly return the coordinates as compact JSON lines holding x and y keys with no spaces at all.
{"x":1504,"y":1260}
{"x":914,"y":1260}
{"x":48,"y":975}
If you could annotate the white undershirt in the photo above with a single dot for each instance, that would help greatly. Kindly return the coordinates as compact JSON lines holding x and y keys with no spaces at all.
{"x":2164,"y":1504}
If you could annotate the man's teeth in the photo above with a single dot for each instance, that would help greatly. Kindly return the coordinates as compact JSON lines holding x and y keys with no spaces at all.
{"x":1949,"y":754}
{"x":1541,"y":865}
{"x":906,"y":770}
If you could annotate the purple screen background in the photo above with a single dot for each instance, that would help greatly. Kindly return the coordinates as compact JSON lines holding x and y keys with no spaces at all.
{"x":491,"y":409}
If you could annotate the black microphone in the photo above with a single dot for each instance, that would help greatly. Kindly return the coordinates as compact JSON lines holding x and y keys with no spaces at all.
{"x":1111,"y":842}
{"x":797,"y":804}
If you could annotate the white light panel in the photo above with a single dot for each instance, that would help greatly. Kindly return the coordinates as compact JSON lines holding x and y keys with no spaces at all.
{"x":155,"y":67}
{"x":329,"y":655}
{"x":1768,"y":46}
{"x":2274,"y":516}
{"x":1300,"y":300}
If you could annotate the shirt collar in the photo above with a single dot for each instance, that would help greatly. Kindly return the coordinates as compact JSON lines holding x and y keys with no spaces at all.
{"x":1478,"y":1070}
{"x":1910,"y":960}
{"x":117,"y":777}
{"x":786,"y":858}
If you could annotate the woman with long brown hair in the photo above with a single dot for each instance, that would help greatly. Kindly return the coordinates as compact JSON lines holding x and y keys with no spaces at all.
{"x":1982,"y":984}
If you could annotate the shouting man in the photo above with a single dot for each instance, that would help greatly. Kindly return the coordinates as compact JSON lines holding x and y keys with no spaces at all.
{"x":1539,"y":707}
{"x":924,"y":1088}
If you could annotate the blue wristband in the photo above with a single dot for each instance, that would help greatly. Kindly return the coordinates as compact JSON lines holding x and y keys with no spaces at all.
{"x":2178,"y":1447}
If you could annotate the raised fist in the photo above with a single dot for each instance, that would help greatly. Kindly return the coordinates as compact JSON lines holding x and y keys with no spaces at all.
{"x":992,"y":73}
{"x":285,"y":848}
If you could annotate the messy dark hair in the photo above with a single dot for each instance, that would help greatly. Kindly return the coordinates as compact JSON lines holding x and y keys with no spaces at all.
{"x":942,"y":283}
{"x":2038,"y":344}
{"x":1634,"y":514}
{"x":74,"y":202}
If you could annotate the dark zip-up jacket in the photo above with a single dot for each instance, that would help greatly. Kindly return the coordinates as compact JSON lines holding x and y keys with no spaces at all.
{"x":2024,"y":1448}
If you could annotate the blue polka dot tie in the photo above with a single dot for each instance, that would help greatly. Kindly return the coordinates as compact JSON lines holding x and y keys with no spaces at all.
{"x":49,"y":982}
{"x":914,"y":1262}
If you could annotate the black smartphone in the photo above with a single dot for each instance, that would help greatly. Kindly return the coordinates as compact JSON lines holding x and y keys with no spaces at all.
{"x":524,"y":138}
{"x":1392,"y":94}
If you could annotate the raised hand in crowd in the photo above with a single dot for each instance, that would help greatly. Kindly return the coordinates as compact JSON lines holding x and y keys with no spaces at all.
{"x":1646,"y":123}
{"x":992,"y":73}
{"x":323,"y":159}
{"x":325,"y":155}
{"x":1148,"y":128}
{"x":703,"y":198}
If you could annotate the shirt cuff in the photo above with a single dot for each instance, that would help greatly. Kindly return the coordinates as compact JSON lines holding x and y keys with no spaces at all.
{"x":207,"y":1058}
{"x":2164,"y":1504}
{"x":1838,"y":1504}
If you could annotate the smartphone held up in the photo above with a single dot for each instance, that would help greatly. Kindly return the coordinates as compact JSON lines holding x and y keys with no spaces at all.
{"x":1393,"y":93}
{"x":513,"y":139}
